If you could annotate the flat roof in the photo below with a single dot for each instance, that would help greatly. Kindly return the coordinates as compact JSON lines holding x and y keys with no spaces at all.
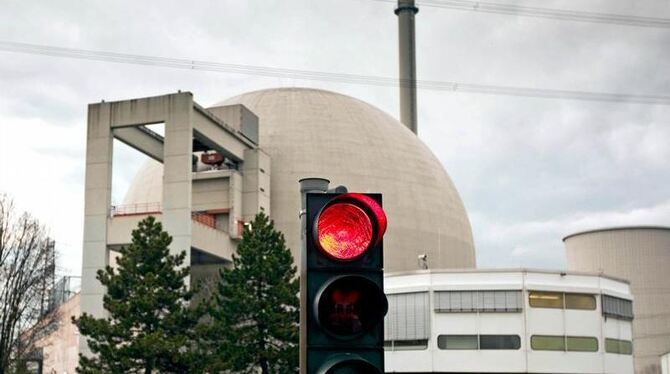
{"x":617,"y":228}
{"x":507,"y":270}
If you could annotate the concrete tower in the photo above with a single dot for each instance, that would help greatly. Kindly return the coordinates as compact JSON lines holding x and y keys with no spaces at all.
{"x":407,"y":62}
{"x":202,"y":210}
{"x":641,"y":255}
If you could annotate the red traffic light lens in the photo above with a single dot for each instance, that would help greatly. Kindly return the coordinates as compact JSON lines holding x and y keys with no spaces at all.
{"x":350,"y":305}
{"x":344,"y":231}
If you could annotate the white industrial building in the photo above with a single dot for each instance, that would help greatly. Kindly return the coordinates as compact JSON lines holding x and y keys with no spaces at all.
{"x":508,"y":321}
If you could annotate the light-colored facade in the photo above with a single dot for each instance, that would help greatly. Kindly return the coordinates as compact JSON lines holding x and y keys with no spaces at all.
{"x":60,"y":349}
{"x":665,"y":363}
{"x":316,"y":133}
{"x":203,"y":210}
{"x":641,"y":255}
{"x":507,"y":321}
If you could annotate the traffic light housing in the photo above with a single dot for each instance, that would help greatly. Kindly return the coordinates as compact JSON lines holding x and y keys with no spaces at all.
{"x":345,"y":303}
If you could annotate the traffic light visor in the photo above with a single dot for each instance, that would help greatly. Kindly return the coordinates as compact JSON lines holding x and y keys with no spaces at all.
{"x":349,"y":225}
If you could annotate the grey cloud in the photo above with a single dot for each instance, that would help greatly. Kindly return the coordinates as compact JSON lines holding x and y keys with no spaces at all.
{"x":526,"y":168}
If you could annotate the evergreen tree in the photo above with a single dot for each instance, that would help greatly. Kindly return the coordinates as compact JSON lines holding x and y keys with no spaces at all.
{"x":150,"y":327}
{"x":255,"y":311}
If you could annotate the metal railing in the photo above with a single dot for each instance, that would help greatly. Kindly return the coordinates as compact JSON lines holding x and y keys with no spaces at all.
{"x":156,"y":208}
{"x":63,"y":290}
{"x":132,"y":209}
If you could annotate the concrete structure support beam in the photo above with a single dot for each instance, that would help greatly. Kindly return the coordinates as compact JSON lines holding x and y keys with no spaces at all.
{"x":144,"y":111}
{"x":210,"y":133}
{"x":141,"y":140}
{"x":235,"y":213}
{"x":97,"y":201}
{"x":256,"y":183}
{"x":177,"y":174}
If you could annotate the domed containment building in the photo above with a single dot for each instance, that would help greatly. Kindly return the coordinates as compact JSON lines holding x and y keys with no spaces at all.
{"x":640,"y":254}
{"x":316,"y":133}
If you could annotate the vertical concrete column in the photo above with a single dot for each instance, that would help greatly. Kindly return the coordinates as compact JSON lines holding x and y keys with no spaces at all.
{"x":235,"y":205}
{"x":407,"y":62}
{"x":255,"y":183}
{"x":97,"y":202}
{"x":177,"y":173}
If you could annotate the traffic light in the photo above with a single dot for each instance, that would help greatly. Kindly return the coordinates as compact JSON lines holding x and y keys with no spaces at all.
{"x":345,"y":300}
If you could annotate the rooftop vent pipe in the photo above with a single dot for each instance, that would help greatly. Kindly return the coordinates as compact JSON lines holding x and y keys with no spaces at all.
{"x":407,"y":52}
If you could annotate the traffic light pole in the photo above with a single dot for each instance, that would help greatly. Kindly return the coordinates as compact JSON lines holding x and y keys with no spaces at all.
{"x":307,"y":185}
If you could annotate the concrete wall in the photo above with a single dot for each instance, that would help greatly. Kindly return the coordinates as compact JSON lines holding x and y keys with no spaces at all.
{"x":209,"y":194}
{"x":641,"y":255}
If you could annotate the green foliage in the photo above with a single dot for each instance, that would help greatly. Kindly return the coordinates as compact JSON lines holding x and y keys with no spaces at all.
{"x":255,"y":311}
{"x":150,"y":327}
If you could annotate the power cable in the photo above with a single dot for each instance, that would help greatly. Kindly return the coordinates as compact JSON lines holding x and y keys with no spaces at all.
{"x":560,"y":14}
{"x":189,"y":64}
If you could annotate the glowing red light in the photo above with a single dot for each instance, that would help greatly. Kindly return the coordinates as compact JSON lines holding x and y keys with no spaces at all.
{"x":344,"y":231}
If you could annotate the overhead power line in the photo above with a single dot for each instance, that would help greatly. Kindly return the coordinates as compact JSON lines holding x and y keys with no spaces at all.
{"x":560,"y":14}
{"x":180,"y":63}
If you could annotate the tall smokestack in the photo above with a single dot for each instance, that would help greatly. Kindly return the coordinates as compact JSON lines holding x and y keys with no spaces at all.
{"x":407,"y":52}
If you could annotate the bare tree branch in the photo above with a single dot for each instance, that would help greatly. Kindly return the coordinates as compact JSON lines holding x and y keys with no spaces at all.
{"x":27,"y":270}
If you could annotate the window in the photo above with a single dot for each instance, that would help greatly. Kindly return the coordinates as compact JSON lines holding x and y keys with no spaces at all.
{"x":564,"y":343}
{"x":580,"y":301}
{"x":541,"y":299}
{"x":457,"y":342}
{"x":615,"y":307}
{"x":478,"y":301}
{"x":624,"y":347}
{"x":547,"y":343}
{"x":560,"y":300}
{"x":499,"y":342}
{"x":478,"y":342}
{"x":581,"y":344}
{"x":405,"y":345}
{"x":407,"y":317}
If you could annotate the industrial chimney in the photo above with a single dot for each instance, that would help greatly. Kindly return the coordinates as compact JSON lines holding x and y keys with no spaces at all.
{"x":407,"y":52}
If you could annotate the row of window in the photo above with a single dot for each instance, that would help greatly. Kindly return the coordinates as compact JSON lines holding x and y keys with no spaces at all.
{"x":513,"y":342}
{"x":509,"y":301}
{"x":408,"y":316}
{"x":512,"y":301}
{"x":478,"y":301}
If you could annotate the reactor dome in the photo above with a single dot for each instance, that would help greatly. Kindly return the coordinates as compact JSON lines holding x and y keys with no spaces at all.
{"x":316,"y":133}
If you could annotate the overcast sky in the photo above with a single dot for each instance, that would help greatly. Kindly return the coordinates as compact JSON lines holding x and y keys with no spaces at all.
{"x":529,"y":170}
